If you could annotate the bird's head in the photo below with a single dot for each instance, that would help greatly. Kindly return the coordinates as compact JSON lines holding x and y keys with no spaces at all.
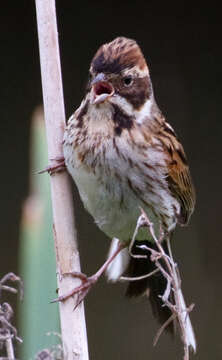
{"x":119,"y":75}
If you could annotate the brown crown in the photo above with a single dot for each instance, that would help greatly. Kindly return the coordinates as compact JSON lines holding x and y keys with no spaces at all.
{"x":119,"y":54}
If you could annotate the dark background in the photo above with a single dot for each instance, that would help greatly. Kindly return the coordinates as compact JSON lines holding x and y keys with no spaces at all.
{"x":183,"y":47}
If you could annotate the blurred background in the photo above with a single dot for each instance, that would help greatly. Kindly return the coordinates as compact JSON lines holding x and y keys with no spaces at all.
{"x":182,"y":44}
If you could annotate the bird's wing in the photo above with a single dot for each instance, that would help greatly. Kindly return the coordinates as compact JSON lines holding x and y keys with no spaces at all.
{"x":178,"y":174}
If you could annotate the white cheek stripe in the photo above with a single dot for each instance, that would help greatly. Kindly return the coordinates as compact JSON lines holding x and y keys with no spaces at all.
{"x":122,"y":103}
{"x":145,"y":111}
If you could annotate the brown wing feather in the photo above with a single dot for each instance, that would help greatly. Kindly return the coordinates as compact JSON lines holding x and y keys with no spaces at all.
{"x":178,"y":176}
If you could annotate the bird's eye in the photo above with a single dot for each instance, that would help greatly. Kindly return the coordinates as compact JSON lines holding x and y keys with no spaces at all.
{"x":127,"y":80}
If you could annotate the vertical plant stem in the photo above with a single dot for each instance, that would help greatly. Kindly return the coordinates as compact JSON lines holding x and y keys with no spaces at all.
{"x":10,"y":349}
{"x":72,"y":322}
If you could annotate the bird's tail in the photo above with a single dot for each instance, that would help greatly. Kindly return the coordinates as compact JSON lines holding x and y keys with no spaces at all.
{"x":155,"y":286}
{"x":132,"y":267}
{"x":152,"y":286}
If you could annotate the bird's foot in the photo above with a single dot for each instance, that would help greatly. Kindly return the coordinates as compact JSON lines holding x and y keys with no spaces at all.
{"x":58,"y":167}
{"x":87,"y":282}
{"x":81,"y":290}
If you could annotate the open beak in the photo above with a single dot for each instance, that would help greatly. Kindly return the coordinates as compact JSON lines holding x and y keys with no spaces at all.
{"x":101,"y":89}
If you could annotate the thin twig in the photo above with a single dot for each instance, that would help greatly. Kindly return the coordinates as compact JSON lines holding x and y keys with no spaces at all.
{"x":171,"y":273}
{"x":163,"y":327}
{"x":8,"y":333}
{"x":12,"y":277}
{"x":139,"y":224}
{"x":183,"y":311}
{"x":136,"y":278}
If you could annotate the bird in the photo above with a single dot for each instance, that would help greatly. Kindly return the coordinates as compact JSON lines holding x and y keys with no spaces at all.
{"x":123,"y":155}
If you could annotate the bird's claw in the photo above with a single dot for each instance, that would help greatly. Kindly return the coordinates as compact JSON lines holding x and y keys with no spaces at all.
{"x":51,"y":169}
{"x":81,"y":291}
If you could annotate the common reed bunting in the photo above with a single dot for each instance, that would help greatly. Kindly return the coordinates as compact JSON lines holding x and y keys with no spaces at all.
{"x":123,"y":155}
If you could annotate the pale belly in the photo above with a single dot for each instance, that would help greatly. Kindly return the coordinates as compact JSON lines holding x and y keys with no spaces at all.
{"x":113,"y":205}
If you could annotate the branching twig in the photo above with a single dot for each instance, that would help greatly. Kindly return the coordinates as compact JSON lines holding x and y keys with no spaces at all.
{"x":11,"y":277}
{"x":171,"y":273}
{"x":8,"y":332}
{"x":139,"y":224}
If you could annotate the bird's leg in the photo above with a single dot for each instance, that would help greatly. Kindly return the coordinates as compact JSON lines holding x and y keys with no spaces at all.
{"x":58,"y":167}
{"x":87,"y":282}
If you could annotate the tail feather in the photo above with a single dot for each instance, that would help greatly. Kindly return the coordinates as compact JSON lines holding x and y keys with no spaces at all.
{"x":120,"y":264}
{"x":152,"y":286}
